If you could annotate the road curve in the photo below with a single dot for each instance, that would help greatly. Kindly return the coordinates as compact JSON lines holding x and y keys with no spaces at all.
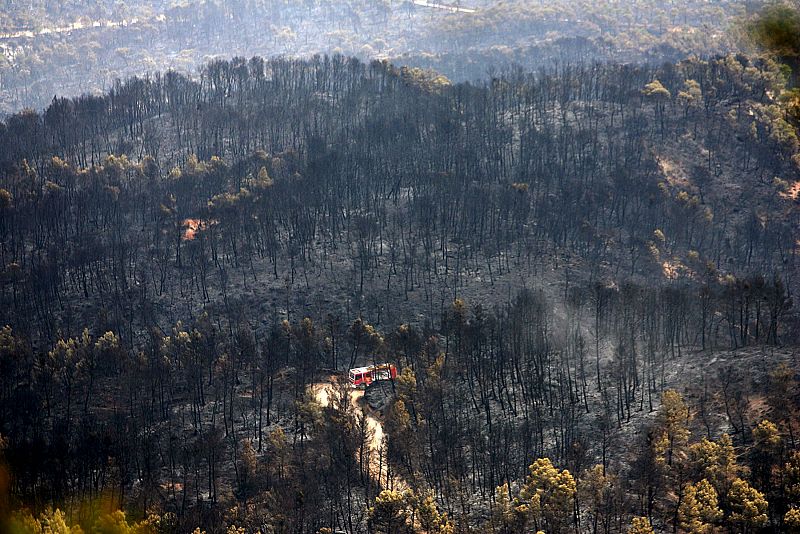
{"x":376,"y":463}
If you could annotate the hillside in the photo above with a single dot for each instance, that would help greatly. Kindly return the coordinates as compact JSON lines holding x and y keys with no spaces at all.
{"x":593,"y":265}
{"x":67,"y":48}
{"x":393,"y":189}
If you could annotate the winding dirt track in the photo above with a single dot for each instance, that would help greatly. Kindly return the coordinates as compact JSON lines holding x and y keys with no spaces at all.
{"x":376,"y":463}
{"x":452,"y":9}
{"x":77,"y":26}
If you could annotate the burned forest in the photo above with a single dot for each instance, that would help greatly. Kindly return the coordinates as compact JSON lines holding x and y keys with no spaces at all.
{"x":340,"y":294}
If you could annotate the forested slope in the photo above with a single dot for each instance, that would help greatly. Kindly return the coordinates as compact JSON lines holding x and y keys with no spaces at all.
{"x":391,"y":181}
{"x":71,"y":48}
{"x":544,"y":257}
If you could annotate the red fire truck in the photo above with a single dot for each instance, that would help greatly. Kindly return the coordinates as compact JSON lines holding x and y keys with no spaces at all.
{"x":364,"y":376}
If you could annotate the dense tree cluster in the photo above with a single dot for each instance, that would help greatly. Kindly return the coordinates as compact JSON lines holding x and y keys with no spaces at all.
{"x":776,"y":30}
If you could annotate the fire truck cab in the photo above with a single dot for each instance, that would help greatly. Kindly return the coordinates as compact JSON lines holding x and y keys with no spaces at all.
{"x":364,"y":376}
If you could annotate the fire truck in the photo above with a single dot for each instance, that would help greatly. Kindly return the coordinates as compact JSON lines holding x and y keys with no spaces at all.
{"x":364,"y":376}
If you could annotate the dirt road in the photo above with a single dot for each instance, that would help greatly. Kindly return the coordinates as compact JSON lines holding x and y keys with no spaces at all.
{"x":77,"y":26}
{"x":452,"y":9}
{"x":376,"y":463}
